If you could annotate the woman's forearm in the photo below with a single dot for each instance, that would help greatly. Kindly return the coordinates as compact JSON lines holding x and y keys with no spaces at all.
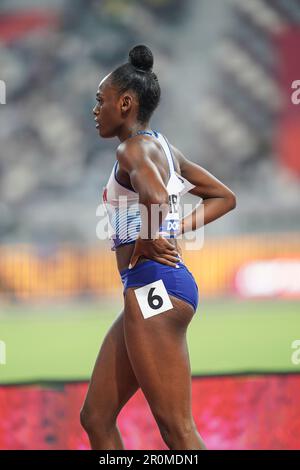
{"x":153,"y":212}
{"x":205,"y":212}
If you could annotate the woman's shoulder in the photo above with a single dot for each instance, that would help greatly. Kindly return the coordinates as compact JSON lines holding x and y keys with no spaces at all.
{"x":132,"y":150}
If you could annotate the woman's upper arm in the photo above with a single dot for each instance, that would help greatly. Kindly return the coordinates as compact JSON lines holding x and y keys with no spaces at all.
{"x":144,"y":175}
{"x":206,"y":185}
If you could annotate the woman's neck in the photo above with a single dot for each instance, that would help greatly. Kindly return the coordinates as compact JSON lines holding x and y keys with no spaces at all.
{"x":133,"y":130}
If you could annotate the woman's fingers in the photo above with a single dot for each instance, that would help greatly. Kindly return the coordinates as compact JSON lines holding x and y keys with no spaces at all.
{"x":172,"y":252}
{"x":134,"y":258}
{"x":171,"y":258}
{"x":161,"y":248}
{"x":165,"y":261}
{"x":166,"y":248}
{"x":164,"y":243}
{"x":166,"y":252}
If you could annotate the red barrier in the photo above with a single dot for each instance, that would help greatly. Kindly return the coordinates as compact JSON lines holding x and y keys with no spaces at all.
{"x":232,"y":412}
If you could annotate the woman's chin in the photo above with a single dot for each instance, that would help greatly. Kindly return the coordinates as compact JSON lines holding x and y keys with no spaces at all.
{"x":106,"y":135}
{"x":100,"y":131}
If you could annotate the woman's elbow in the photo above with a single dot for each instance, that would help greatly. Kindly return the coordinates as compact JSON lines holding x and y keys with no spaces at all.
{"x":155,"y":198}
{"x":160,"y":197}
{"x":231,"y":198}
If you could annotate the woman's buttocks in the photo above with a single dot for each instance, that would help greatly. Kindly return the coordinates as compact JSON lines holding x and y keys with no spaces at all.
{"x":178,"y":281}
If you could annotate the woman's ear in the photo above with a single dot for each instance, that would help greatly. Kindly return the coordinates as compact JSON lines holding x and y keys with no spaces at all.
{"x":126,"y":103}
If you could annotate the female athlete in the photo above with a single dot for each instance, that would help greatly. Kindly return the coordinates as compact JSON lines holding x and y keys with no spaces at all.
{"x":146,"y":345}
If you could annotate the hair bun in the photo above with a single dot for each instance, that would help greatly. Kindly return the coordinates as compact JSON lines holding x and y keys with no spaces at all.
{"x":141,"y":57}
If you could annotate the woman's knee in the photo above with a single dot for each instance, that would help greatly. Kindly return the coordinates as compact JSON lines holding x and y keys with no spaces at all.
{"x":87,"y":419}
{"x":94,"y":421}
{"x":175,"y":427}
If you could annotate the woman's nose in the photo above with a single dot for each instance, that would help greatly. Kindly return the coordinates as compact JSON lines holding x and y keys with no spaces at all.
{"x":95,"y":110}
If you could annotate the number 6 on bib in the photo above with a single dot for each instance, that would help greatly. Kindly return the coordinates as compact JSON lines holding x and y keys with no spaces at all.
{"x":153,"y":299}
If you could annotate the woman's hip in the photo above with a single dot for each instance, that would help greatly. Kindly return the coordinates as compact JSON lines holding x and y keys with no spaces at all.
{"x":159,"y":280}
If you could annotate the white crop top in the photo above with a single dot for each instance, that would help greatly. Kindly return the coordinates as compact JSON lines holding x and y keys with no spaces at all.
{"x":122,"y":203}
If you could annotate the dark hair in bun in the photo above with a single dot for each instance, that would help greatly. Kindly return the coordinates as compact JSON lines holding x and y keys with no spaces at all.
{"x":141,"y":57}
{"x":137,"y":75}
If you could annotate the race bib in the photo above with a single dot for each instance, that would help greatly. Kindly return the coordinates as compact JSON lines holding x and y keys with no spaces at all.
{"x":153,"y":299}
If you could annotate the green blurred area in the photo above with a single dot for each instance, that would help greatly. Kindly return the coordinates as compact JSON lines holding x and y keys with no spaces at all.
{"x":228,"y":336}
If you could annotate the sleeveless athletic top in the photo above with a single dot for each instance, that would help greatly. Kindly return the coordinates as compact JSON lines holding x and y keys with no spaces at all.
{"x":122,"y":203}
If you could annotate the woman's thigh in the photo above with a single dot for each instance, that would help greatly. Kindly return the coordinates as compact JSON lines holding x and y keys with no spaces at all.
{"x":113,"y":381}
{"x":158,"y":352}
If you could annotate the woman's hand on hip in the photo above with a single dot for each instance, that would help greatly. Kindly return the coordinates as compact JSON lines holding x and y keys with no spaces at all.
{"x":158,"y":249}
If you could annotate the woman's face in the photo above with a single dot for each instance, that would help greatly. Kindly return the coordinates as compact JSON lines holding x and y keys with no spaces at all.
{"x":106,"y":111}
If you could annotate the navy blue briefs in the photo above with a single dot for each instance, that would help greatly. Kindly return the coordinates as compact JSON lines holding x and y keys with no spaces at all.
{"x":178,"y":282}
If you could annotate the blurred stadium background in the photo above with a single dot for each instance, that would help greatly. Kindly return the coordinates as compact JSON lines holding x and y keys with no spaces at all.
{"x":231,"y":64}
